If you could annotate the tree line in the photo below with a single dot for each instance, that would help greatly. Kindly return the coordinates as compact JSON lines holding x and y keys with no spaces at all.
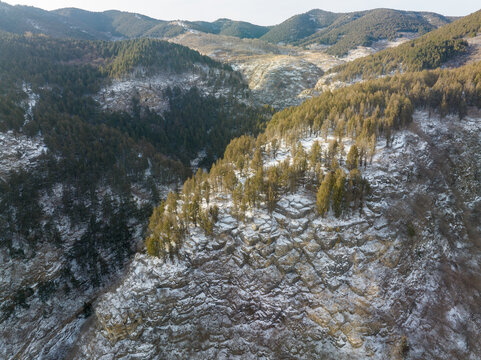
{"x":427,"y":52}
{"x":361,"y":113}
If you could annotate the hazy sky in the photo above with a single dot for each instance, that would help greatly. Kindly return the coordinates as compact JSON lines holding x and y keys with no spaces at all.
{"x":262,"y":12}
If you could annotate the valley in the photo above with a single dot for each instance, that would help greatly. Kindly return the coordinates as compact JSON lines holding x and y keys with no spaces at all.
{"x":226,"y":190}
{"x":289,"y":284}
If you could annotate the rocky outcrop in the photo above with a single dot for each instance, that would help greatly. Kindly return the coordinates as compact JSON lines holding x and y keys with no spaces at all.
{"x":149,"y":90}
{"x":277,"y":75}
{"x":401,"y":279}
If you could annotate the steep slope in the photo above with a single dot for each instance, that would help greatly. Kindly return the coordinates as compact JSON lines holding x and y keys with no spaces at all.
{"x":22,"y":19}
{"x":74,"y":23}
{"x":227,"y":27}
{"x":427,"y":52}
{"x":300,"y":26}
{"x":343,"y":32}
{"x":338,"y":33}
{"x":277,"y":75}
{"x":112,"y":24}
{"x":79,"y":175}
{"x":362,"y":29}
{"x":109,"y":24}
{"x":278,"y":277}
{"x":283,"y":75}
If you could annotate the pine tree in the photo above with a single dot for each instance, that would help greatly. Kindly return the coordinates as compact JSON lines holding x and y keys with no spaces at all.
{"x":324,"y":194}
{"x":352,"y":160}
{"x":338,"y":192}
{"x":314,"y":155}
{"x":274,"y":147}
{"x":257,"y":161}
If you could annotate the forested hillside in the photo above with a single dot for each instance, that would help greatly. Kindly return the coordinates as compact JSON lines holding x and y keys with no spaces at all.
{"x":112,"y":24}
{"x":350,"y":229}
{"x":338,"y":32}
{"x":86,"y":146}
{"x":22,"y":19}
{"x":117,"y":148}
{"x":427,"y":52}
{"x":77,"y":180}
{"x":363,"y":113}
{"x":364,"y":28}
{"x":344,"y":32}
{"x":300,"y":26}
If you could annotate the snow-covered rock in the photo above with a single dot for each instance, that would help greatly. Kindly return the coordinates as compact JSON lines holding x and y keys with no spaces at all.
{"x":18,"y":152}
{"x":400,"y":279}
{"x":149,"y":89}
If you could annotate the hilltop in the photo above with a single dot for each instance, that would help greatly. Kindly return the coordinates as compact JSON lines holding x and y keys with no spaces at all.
{"x":338,"y":32}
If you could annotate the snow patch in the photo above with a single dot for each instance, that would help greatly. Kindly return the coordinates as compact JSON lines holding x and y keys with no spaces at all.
{"x":19,"y":151}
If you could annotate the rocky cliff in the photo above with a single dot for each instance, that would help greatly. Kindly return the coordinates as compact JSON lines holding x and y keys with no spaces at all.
{"x":400,"y":279}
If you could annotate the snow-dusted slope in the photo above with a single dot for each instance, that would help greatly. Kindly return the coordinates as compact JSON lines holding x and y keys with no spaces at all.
{"x":40,"y":316}
{"x":276,"y":74}
{"x":149,"y":89}
{"x":18,"y":152}
{"x":278,"y":80}
{"x":401,"y":279}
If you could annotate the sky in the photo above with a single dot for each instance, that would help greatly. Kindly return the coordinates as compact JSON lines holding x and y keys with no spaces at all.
{"x":262,"y":12}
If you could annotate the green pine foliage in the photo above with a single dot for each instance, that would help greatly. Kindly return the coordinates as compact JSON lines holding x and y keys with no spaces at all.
{"x":227,"y":27}
{"x":112,"y":24}
{"x":91,"y":151}
{"x":323,"y":199}
{"x":427,"y":52}
{"x":342,"y":32}
{"x":362,"y":113}
{"x":300,"y":26}
{"x":154,"y":55}
{"x":363,"y":28}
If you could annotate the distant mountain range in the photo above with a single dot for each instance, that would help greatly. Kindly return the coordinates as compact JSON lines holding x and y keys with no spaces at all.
{"x":339,"y":32}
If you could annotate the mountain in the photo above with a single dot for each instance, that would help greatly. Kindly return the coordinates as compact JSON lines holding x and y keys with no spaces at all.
{"x":340,"y":32}
{"x":300,"y":26}
{"x":362,"y":29}
{"x":22,"y":19}
{"x":292,"y":56}
{"x":109,"y":24}
{"x":227,"y":27}
{"x":427,"y":52}
{"x":276,"y":75}
{"x":113,"y":24}
{"x":344,"y":32}
{"x":154,"y":205}
{"x":92,"y":135}
{"x":350,"y":229}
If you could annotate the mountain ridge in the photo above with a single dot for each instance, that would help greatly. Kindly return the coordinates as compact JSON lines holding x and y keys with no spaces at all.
{"x":347,"y":227}
{"x":340,"y":32}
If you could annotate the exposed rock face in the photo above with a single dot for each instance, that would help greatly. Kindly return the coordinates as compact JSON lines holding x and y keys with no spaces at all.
{"x":45,"y":291}
{"x":278,"y":80}
{"x":41,"y":311}
{"x":277,"y":75}
{"x":401,"y":279}
{"x":148,"y":90}
{"x":18,"y":152}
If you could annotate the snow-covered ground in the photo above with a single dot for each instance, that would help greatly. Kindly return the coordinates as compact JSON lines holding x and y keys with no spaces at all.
{"x":362,"y":51}
{"x":388,"y":282}
{"x":30,"y":103}
{"x":149,"y":89}
{"x":278,"y":80}
{"x":46,"y":328}
{"x":18,"y":151}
